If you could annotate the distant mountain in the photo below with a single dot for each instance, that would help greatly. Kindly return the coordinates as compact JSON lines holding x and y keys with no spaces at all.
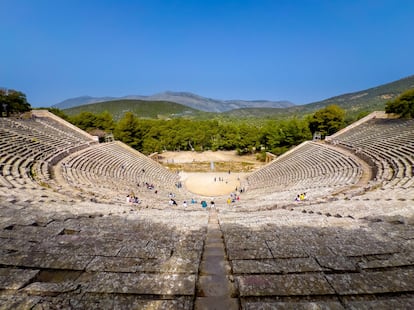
{"x":142,"y":108}
{"x":354,"y":104}
{"x":74,"y":102}
{"x":185,"y":98}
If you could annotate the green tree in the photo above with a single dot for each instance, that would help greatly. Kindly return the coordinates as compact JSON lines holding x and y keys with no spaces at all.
{"x":13,"y":101}
{"x":89,"y":121}
{"x":59,"y":113}
{"x":403,"y":105}
{"x":105,"y":121}
{"x":85,"y":121}
{"x":127,"y":130}
{"x":279,"y":136}
{"x":328,"y":120}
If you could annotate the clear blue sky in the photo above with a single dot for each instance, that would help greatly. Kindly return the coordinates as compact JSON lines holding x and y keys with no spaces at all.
{"x":302,"y":51}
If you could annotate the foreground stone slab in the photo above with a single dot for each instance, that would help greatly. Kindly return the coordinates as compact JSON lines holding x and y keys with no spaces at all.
{"x":142,"y":284}
{"x":276,"y":265}
{"x":13,"y":279}
{"x":258,"y":253}
{"x":286,"y":250}
{"x":283,"y":285}
{"x":337,"y":263}
{"x":362,"y":247}
{"x":50,"y":289}
{"x":357,"y":303}
{"x":68,"y":261}
{"x":18,"y":302}
{"x":395,"y":260}
{"x":108,"y":301}
{"x":373,"y":282}
{"x":311,"y":305}
{"x":215,"y":286}
{"x":208,"y":303}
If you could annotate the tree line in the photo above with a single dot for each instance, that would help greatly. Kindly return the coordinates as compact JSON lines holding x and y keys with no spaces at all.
{"x":12,"y":102}
{"x":181,"y":134}
{"x":403,"y":105}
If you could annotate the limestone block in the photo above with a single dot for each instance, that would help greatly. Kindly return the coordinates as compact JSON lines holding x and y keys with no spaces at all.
{"x":394,"y":281}
{"x":13,"y":279}
{"x":291,"y":265}
{"x":284,"y":285}
{"x":143,"y":284}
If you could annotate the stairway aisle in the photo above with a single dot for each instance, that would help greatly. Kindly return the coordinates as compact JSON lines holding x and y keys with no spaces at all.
{"x":215,"y":287}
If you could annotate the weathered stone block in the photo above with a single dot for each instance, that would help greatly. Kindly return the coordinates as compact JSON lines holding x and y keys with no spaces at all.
{"x":283,"y":285}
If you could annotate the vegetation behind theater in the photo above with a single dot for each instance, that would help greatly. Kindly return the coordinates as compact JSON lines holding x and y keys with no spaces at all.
{"x":157,"y":126}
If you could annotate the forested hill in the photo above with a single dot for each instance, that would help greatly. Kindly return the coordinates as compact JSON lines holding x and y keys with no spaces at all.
{"x":142,"y":108}
{"x":355,"y":103}
{"x":185,"y":98}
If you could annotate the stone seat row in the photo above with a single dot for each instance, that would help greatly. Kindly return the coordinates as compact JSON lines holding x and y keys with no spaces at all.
{"x":309,"y":163}
{"x":34,"y":128}
{"x":28,"y":149}
{"x":114,"y":168}
{"x":389,"y":143}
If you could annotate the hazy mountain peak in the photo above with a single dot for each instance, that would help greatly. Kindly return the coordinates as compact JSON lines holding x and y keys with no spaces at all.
{"x":185,"y":98}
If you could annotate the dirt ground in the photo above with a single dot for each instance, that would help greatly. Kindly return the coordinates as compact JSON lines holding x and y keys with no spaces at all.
{"x":210,"y":183}
{"x":218,"y":156}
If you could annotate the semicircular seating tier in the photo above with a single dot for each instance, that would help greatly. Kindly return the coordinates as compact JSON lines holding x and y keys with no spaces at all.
{"x":387,"y":144}
{"x":109,"y":169}
{"x":311,"y":167}
{"x":29,"y":147}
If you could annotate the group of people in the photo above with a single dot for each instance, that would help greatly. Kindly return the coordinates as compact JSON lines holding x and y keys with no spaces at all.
{"x":132,"y":199}
{"x":300,"y":197}
{"x":173,"y":202}
{"x":204,"y":204}
{"x":233,"y":198}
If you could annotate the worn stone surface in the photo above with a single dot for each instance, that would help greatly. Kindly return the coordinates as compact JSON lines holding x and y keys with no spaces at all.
{"x":215,"y":286}
{"x":142,"y":284}
{"x":384,"y":261}
{"x":310,"y":305}
{"x":242,"y":253}
{"x":13,"y":279}
{"x":337,"y":263}
{"x":102,"y":301}
{"x":269,"y":266}
{"x":34,"y":259}
{"x":18,"y":302}
{"x":283,"y":285}
{"x":97,"y":257}
{"x":392,"y":281}
{"x":216,"y":303}
{"x":49,"y":288}
{"x":401,"y":302}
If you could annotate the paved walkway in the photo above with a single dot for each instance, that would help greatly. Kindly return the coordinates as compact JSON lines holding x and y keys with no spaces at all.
{"x":215,"y":288}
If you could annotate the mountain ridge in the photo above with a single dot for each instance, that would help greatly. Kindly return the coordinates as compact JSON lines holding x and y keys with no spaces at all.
{"x":356,"y":104}
{"x":185,"y":98}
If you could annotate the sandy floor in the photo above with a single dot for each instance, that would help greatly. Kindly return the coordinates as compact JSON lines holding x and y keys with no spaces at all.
{"x":207,"y":183}
{"x":212,"y":184}
{"x":188,"y":157}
